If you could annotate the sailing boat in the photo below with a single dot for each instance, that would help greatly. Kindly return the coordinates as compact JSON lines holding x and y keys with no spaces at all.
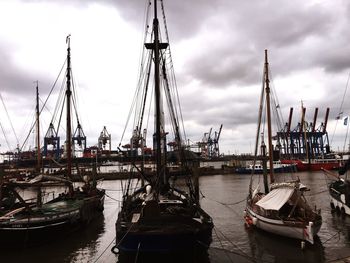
{"x":158,"y":213}
{"x":339,"y":186}
{"x":29,"y":222}
{"x":282,"y":209}
{"x":339,"y":190}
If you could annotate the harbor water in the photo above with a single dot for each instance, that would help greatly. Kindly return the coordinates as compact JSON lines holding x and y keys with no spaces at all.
{"x":223,"y":197}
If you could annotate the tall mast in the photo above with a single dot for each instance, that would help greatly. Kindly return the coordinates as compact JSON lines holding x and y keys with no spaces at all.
{"x":156,"y":46}
{"x":68,"y":128}
{"x":268,"y":109}
{"x":38,"y":128}
{"x":157,"y":89}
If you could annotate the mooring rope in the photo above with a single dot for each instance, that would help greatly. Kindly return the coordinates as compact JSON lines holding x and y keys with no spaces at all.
{"x":113,"y":198}
{"x":222,"y":246}
{"x":228,"y":205}
{"x":121,"y":240}
{"x":337,"y":233}
{"x":233,"y":244}
{"x":104,"y":251}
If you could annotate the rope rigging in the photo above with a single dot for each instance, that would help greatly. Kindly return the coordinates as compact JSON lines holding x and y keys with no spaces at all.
{"x":142,"y":71}
{"x":262,"y":115}
{"x":8,"y":117}
{"x":61,"y":101}
{"x":5,"y":136}
{"x":340,"y":114}
{"x":44,"y":104}
{"x":169,"y":83}
{"x":172,"y":74}
{"x":169,"y":117}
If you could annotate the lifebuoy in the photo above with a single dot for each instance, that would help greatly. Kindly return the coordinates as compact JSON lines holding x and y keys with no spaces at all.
{"x":248,"y":221}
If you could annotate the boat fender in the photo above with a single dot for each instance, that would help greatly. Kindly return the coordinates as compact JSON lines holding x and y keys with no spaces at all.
{"x":332,"y":206}
{"x":308,"y":236}
{"x":342,"y":198}
{"x":255,"y":221}
{"x":342,"y":212}
{"x":248,"y":221}
{"x":115,"y":250}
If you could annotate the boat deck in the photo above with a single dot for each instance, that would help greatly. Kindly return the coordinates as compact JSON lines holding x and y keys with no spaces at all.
{"x":60,"y":206}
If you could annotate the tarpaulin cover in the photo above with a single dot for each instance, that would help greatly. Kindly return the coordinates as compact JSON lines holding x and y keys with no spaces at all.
{"x":275,"y":199}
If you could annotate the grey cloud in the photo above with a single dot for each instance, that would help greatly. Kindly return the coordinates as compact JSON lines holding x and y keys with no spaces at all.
{"x":207,"y":111}
{"x":286,"y":30}
{"x":16,"y":81}
{"x":12,"y":80}
{"x":299,"y":37}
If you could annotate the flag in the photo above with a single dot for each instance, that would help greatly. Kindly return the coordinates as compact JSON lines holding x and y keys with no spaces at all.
{"x":346,"y":120}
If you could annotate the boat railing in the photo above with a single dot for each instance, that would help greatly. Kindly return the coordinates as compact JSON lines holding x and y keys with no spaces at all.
{"x":325,"y":160}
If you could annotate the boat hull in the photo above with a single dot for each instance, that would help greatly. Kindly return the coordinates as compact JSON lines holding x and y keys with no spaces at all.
{"x":340,"y":197}
{"x":284,"y":169}
{"x":163,"y":243}
{"x":340,"y":206}
{"x":304,"y":232}
{"x":315,"y":165}
{"x":38,"y":228}
{"x":163,"y":237}
{"x":27,"y":236}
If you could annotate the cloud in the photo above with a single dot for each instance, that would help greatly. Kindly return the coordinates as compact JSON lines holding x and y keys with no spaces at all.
{"x":12,"y":79}
{"x":218,"y":51}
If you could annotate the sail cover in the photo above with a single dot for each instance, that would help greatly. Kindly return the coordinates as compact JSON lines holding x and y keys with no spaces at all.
{"x":275,"y":199}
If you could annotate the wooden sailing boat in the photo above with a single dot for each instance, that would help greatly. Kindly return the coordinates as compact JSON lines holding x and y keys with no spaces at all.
{"x":282,"y":209}
{"x":339,"y":190}
{"x":339,"y":184}
{"x":158,"y":214}
{"x":28,"y":222}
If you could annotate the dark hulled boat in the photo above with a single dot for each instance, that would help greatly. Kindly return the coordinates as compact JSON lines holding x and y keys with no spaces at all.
{"x":339,"y":190}
{"x":28,"y":222}
{"x":159,"y":213}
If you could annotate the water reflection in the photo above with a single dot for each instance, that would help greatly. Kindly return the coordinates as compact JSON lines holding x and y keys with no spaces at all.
{"x":93,"y":243}
{"x":267,"y":247}
{"x":197,"y":256}
{"x":75,"y":247}
{"x":85,"y":244}
{"x":341,"y":226}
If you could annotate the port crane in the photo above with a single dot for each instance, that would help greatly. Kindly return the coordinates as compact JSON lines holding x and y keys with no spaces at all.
{"x":210,"y":144}
{"x":104,"y":140}
{"x":306,"y":139}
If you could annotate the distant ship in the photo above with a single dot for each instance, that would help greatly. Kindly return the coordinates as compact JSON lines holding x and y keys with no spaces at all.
{"x":258,"y":168}
{"x":314,"y":164}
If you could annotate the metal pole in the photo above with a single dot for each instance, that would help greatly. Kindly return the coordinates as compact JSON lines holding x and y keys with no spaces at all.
{"x":269,"y":129}
{"x":68,"y":124}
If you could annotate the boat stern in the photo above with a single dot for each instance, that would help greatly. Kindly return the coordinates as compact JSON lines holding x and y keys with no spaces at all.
{"x":308,"y":233}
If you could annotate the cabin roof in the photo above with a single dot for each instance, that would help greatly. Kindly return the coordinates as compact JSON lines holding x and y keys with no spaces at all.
{"x":275,"y":199}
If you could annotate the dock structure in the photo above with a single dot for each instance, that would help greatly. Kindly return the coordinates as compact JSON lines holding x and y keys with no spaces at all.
{"x":79,"y":139}
{"x":209,"y":146}
{"x":306,"y":140}
{"x":105,"y":140}
{"x":51,"y":143}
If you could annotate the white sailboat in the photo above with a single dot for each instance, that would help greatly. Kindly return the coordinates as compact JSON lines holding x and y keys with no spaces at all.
{"x":282,"y":208}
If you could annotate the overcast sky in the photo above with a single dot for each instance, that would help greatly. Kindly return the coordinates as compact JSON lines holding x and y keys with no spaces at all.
{"x":218,"y":53}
